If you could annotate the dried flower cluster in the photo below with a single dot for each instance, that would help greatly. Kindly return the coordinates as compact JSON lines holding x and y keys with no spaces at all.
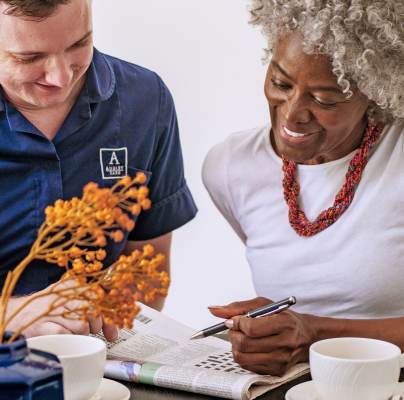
{"x":73,"y":236}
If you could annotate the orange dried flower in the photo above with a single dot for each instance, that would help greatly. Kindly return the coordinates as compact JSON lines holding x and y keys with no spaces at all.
{"x":101,"y":254}
{"x":141,"y":178}
{"x":74,"y":226}
{"x":117,"y":236}
{"x":146,"y":204}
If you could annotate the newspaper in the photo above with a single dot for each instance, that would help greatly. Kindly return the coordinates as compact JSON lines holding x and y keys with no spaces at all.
{"x":157,"y":351}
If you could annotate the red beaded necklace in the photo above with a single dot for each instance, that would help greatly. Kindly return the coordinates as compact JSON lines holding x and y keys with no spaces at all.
{"x":343,"y":199}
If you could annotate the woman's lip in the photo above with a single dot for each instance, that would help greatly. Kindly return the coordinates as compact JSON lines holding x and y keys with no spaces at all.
{"x":293,"y":139}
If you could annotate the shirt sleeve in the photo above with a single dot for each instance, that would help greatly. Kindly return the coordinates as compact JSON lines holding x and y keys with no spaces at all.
{"x":172,"y":202}
{"x":216,"y":180}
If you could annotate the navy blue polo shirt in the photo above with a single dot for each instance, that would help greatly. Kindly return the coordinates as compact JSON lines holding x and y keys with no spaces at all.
{"x":123,"y":121}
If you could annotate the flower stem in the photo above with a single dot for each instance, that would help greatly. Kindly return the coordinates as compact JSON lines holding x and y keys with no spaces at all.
{"x":9,"y":288}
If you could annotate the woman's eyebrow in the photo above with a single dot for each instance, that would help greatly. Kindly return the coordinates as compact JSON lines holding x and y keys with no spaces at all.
{"x":319,"y":88}
{"x":327,"y":89}
{"x":278,"y":67}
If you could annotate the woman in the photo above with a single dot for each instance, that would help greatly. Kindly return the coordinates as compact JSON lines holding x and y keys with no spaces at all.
{"x":335,"y":89}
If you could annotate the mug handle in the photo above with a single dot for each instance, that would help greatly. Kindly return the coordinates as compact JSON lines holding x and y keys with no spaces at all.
{"x":401,"y":360}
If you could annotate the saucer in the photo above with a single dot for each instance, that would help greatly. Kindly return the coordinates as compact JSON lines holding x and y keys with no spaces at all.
{"x":307,"y":391}
{"x":303,"y":391}
{"x":111,"y":390}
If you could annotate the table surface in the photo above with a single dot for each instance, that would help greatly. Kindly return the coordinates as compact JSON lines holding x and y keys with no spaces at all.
{"x":145,"y":392}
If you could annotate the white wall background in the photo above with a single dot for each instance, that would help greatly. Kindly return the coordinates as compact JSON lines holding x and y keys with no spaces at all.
{"x":210,"y":58}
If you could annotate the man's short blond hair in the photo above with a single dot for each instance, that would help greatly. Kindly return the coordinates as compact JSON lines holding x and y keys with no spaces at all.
{"x":32,"y":8}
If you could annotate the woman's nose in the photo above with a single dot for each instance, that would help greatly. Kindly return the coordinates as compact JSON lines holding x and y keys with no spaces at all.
{"x":295,"y":110}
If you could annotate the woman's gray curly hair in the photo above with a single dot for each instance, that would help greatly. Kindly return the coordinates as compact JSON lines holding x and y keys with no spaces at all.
{"x":363,"y":38}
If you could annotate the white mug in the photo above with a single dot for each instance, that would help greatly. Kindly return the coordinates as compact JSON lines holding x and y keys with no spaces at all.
{"x":82,"y":359}
{"x":355,"y":368}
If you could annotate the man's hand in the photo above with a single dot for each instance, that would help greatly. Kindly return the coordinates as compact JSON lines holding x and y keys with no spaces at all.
{"x":266,"y":345}
{"x":52,"y":325}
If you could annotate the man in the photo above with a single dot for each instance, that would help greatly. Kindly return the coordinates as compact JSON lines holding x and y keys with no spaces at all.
{"x":70,"y":115}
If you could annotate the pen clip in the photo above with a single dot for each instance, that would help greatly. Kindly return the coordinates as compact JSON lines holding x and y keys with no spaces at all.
{"x":275,"y":311}
{"x":281,"y":308}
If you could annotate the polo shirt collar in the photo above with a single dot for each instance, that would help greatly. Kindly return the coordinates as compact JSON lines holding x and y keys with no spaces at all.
{"x":101,"y":79}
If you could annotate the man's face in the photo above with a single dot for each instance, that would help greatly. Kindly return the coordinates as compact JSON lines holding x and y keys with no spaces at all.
{"x":42,"y":62}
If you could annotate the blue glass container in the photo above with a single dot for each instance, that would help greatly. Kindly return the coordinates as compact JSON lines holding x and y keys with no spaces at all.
{"x":28,"y":374}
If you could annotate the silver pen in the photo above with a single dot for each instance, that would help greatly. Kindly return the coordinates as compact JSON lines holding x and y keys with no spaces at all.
{"x":264,"y":311}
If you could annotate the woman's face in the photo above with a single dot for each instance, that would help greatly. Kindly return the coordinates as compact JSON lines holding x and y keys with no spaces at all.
{"x":312,"y":120}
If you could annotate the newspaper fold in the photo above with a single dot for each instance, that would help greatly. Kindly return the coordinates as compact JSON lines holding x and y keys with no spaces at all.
{"x":158,"y":352}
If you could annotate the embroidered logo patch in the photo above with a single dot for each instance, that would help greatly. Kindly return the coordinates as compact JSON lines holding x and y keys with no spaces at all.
{"x":114,"y":163}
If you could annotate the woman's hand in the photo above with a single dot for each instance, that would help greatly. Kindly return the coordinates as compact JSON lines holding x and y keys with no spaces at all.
{"x":267,"y":345}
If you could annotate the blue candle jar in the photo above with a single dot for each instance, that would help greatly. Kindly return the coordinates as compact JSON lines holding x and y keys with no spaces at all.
{"x":28,"y":374}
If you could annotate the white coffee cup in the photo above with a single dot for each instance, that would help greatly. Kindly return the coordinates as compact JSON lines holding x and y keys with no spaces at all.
{"x":82,"y":359}
{"x":355,"y":368}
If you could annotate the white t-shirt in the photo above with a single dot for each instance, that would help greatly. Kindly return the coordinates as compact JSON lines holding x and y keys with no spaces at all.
{"x":352,"y":269}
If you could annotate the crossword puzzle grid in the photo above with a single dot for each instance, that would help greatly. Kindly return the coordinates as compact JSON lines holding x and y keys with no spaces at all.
{"x":222,"y":362}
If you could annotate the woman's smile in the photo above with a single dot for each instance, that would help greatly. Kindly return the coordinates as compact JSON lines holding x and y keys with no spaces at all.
{"x":295,"y":137}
